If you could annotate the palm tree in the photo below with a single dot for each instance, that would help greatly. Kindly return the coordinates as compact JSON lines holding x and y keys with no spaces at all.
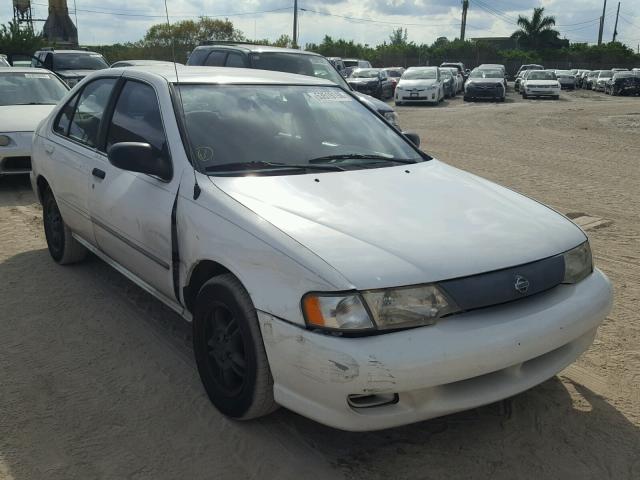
{"x":534,"y":33}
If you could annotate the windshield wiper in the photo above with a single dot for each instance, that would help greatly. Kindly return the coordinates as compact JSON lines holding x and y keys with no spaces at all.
{"x":251,"y":166}
{"x":359,"y":156}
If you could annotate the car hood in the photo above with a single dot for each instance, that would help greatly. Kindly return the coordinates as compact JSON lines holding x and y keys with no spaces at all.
{"x":362,"y":80}
{"x":408,"y":224}
{"x":491,"y":81}
{"x":74,"y":73}
{"x":373,"y":102}
{"x":22,"y":118}
{"x":533,"y":83}
{"x":418,"y":83}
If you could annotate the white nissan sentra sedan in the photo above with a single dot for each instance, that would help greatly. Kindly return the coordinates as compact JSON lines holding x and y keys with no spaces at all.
{"x":27,"y":96}
{"x":339,"y":272}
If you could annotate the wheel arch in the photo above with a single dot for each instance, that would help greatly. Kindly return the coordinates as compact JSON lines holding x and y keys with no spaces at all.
{"x":42,"y":184}
{"x":200,"y":273}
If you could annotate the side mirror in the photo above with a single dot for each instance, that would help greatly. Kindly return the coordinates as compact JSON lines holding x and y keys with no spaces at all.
{"x":413,"y":138}
{"x":139,"y":157}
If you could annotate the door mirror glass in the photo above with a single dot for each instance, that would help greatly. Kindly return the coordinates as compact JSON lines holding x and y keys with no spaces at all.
{"x":413,"y":138}
{"x":139,"y":157}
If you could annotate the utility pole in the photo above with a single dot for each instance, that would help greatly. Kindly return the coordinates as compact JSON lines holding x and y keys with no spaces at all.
{"x":615,"y":29}
{"x":604,"y":9}
{"x":463,"y":25}
{"x":295,"y":23}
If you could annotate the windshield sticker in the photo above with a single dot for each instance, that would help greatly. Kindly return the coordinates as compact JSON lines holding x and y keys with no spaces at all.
{"x":204,"y":154}
{"x":36,"y":75}
{"x":329,"y":95}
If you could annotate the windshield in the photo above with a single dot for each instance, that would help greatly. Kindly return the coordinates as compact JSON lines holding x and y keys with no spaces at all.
{"x":564,"y":73}
{"x":350,"y":63}
{"x":541,"y":75}
{"x":242,"y":129}
{"x":30,"y":89}
{"x":445,"y":72}
{"x":605,"y":74}
{"x":79,"y":61}
{"x":420,"y":74}
{"x":486,"y":74}
{"x":310,"y":65}
{"x":364,"y":73}
{"x":452,"y":65}
{"x":394,"y":73}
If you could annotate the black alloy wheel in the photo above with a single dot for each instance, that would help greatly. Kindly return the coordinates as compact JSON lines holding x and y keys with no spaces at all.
{"x":53,"y":226}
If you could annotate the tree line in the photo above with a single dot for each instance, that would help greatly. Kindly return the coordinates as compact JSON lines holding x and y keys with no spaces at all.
{"x":536,"y":42}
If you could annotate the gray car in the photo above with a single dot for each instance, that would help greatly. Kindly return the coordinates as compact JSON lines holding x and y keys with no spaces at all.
{"x":567,"y":79}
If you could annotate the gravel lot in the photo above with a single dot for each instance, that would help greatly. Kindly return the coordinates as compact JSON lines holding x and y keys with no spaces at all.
{"x":97,"y":378}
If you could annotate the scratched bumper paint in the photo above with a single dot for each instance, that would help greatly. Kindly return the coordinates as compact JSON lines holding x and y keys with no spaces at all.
{"x":464,"y":361}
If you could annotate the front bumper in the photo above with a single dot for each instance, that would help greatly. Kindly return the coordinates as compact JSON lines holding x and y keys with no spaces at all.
{"x":15,"y":158}
{"x":486,"y":92}
{"x":367,"y":89}
{"x":543,"y":92}
{"x":462,"y":362}
{"x":422,"y":96}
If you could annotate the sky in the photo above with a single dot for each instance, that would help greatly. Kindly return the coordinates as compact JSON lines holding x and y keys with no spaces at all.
{"x":364,"y":21}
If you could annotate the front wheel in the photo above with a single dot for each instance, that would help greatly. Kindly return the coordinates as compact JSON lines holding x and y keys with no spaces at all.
{"x":63,"y":248}
{"x":229,"y":350}
{"x":524,"y":95}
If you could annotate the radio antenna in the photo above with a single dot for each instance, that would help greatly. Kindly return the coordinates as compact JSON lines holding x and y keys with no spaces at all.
{"x":193,"y":159}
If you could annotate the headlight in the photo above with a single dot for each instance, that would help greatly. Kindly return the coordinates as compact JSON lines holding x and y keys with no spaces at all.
{"x":578,"y":263}
{"x":408,"y":306}
{"x":385,"y":309}
{"x":392,"y":118}
{"x":4,"y":140}
{"x":336,"y":312}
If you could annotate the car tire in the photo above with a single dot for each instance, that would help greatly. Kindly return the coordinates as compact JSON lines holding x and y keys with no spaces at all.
{"x":466,"y":99}
{"x":556,"y":97}
{"x":63,"y":248}
{"x":524,"y":95}
{"x":229,"y":350}
{"x":398,"y":104}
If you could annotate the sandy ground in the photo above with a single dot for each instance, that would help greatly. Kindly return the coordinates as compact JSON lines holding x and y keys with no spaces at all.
{"x":97,"y":378}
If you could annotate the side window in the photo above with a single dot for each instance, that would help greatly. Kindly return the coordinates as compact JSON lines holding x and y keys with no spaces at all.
{"x":64,"y":117}
{"x":88,"y":114}
{"x":235,"y":60}
{"x":215,"y":59}
{"x":136,"y":118}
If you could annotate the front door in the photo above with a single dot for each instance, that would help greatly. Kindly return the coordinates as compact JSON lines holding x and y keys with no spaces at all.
{"x":131,"y":212}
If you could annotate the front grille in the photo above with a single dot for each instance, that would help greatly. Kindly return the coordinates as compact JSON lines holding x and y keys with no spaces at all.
{"x":16,"y":163}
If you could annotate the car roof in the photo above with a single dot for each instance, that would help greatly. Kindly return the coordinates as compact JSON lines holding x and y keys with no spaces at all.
{"x":216,"y":75}
{"x":26,"y":70}
{"x":87,"y":52}
{"x":250,"y":47}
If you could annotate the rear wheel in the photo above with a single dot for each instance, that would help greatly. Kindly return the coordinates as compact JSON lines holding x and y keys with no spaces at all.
{"x":63,"y":248}
{"x":229,"y":351}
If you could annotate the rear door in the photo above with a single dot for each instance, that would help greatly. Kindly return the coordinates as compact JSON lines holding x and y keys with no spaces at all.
{"x":131,"y":212}
{"x":73,"y":148}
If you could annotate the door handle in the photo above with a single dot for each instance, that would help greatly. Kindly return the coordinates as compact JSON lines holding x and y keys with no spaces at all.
{"x":96,"y":172}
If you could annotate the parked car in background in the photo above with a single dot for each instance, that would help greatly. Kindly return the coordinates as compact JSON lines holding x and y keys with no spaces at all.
{"x":263,"y":57}
{"x":589,"y":81}
{"x":350,"y":64}
{"x":600,"y":82}
{"x":70,"y":65}
{"x":458,"y":78}
{"x":623,"y":83}
{"x":495,"y":66}
{"x":519,"y":78}
{"x":3,"y":61}
{"x":540,"y":83}
{"x":449,"y":82}
{"x":580,"y":77}
{"x":619,"y":69}
{"x":140,"y":63}
{"x":27,"y":96}
{"x":566,"y":78}
{"x":458,"y":66}
{"x":394,"y":74}
{"x":338,"y":64}
{"x":528,"y":66}
{"x":434,"y":299}
{"x":372,"y":81}
{"x":420,"y":84}
{"x":485,"y":84}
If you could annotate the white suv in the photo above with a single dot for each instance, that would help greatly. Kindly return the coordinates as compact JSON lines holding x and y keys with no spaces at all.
{"x":337,"y":271}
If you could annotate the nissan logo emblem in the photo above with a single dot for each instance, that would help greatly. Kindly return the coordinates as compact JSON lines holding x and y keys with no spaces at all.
{"x":521,"y":284}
